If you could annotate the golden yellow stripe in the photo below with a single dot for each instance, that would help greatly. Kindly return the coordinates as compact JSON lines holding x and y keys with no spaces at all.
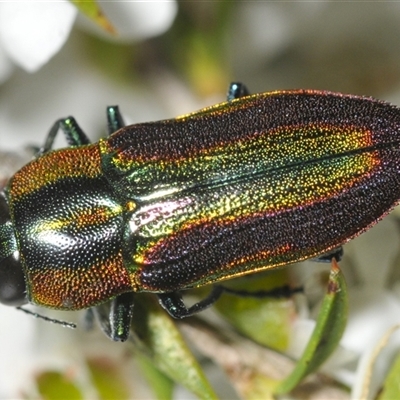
{"x":60,"y":164}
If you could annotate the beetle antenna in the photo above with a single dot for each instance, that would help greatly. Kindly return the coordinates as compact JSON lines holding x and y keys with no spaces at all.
{"x":52,"y":320}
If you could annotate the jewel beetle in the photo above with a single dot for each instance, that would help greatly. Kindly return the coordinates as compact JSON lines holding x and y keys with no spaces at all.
{"x":254,"y":183}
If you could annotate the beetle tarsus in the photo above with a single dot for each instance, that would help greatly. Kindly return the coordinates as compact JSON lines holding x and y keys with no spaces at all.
{"x":236,"y":90}
{"x":114,"y":119}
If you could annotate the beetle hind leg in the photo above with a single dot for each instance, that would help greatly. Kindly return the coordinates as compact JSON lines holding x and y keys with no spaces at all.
{"x":174,"y":305}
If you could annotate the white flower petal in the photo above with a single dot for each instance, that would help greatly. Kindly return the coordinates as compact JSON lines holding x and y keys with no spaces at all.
{"x":17,"y":346}
{"x":377,"y":309}
{"x":375,"y":364}
{"x":32,"y":32}
{"x":135,"y":20}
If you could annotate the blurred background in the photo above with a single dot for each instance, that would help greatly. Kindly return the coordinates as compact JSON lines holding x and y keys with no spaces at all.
{"x":174,"y":57}
{"x":158,"y":60}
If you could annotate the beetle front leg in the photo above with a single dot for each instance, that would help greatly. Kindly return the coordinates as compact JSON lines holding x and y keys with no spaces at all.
{"x":115,"y":318}
{"x":236,"y":90}
{"x":72,"y":132}
{"x":173,"y":303}
{"x":114,"y":119}
{"x":88,"y":319}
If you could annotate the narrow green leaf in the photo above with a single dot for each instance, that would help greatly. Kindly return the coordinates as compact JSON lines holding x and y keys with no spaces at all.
{"x":158,"y":338}
{"x":161,"y":384}
{"x":375,"y":371}
{"x":53,"y":385}
{"x":327,"y":333}
{"x":255,"y":371}
{"x":391,"y":386}
{"x":92,"y":10}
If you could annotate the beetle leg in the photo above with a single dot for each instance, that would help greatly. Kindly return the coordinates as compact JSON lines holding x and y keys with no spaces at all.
{"x":115,"y":318}
{"x":114,"y":119}
{"x":72,"y":132}
{"x":88,"y":319}
{"x":121,"y":316}
{"x":280,"y":292}
{"x":173,"y":303}
{"x":336,"y":253}
{"x":236,"y":90}
{"x":102,"y":314}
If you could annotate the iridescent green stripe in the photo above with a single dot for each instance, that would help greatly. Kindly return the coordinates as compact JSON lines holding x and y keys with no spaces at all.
{"x":259,"y":153}
{"x":269,"y":193}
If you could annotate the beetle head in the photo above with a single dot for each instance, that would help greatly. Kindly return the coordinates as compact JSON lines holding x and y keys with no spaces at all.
{"x":12,"y":280}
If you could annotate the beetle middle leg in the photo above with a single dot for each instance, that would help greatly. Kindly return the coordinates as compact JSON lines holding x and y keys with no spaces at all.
{"x":72,"y":132}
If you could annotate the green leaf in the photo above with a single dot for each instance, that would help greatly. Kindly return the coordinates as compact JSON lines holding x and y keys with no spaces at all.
{"x":157,"y":337}
{"x":53,"y":385}
{"x":327,"y":333}
{"x":91,"y":9}
{"x":381,"y":360}
{"x":107,"y":380}
{"x":266,"y":320}
{"x":259,"y":387}
{"x":161,"y":384}
{"x":254,"y":370}
{"x":391,"y":387}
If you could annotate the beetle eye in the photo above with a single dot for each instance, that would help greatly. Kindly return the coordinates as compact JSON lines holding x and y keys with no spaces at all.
{"x":12,"y":282}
